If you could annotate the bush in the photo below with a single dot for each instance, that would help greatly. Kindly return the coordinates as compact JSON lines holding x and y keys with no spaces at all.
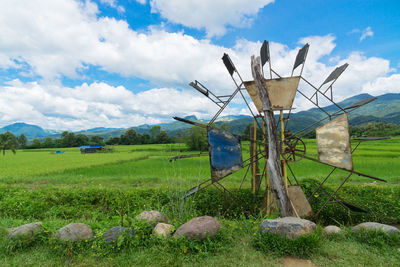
{"x":382,"y":202}
{"x":301,"y":247}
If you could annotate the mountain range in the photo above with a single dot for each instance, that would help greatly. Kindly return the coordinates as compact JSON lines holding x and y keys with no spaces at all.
{"x":386,"y":108}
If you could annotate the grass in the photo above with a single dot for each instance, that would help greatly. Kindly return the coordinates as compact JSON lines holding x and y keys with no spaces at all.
{"x":62,"y":188}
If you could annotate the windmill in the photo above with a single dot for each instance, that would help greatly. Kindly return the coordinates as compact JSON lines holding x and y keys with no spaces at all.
{"x":332,"y":132}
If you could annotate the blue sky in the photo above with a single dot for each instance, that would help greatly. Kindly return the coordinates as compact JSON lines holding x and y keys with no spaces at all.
{"x":71,"y":65}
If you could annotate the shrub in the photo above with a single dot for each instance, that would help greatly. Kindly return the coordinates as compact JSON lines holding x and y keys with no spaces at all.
{"x":302,"y":247}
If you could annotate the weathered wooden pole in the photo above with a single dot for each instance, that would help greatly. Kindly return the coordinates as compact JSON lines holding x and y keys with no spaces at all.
{"x":274,"y":163}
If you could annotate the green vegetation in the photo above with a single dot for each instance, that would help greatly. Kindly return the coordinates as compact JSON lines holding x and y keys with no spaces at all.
{"x":57,"y":189}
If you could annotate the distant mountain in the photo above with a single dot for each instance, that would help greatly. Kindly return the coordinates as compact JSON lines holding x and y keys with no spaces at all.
{"x":29,"y":130}
{"x":386,"y":108}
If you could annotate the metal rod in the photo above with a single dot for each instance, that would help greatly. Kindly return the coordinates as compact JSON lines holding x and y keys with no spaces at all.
{"x":355,"y":172}
{"x":322,"y":94}
{"x":244,"y":177}
{"x":334,"y":193}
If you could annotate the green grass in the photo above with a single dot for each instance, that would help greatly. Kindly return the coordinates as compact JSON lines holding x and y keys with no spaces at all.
{"x":72,"y":187}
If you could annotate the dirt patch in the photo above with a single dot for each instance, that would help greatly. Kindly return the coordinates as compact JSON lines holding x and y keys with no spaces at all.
{"x":294,"y":262}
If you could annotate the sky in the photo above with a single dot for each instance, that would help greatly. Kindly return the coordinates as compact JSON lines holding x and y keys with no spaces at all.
{"x":74,"y":65}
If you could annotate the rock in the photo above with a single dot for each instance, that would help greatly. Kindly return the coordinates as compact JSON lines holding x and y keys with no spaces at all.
{"x":74,"y":232}
{"x":163,"y":229}
{"x":290,"y":227}
{"x":377,"y":226}
{"x":25,"y":231}
{"x":332,"y":229}
{"x":153,"y":217}
{"x":113,"y":234}
{"x":199,"y":228}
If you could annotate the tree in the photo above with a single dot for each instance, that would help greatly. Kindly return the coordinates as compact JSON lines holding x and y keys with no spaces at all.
{"x":113,"y":141}
{"x":81,"y":140}
{"x":36,"y":143}
{"x":96,"y":140}
{"x":154,"y":131}
{"x":48,"y":143}
{"x":145,"y":138}
{"x":8,"y":142}
{"x":22,"y":141}
{"x":131,"y":137}
{"x":196,"y":139}
{"x":68,"y":139}
{"x":162,"y":138}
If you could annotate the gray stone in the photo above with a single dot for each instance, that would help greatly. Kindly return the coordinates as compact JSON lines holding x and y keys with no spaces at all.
{"x":290,"y":227}
{"x":377,"y":226}
{"x":74,"y":232}
{"x":332,"y":229}
{"x":153,"y":217}
{"x":113,"y":234}
{"x":163,"y":229}
{"x":199,"y":228}
{"x":25,"y":231}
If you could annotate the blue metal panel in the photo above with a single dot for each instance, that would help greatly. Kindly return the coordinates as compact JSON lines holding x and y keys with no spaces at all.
{"x":225,"y":153}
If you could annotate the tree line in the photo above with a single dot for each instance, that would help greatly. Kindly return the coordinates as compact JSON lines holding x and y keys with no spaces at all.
{"x":9,"y":141}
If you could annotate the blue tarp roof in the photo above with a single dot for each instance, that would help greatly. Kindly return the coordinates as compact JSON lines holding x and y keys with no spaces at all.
{"x":90,"y":147}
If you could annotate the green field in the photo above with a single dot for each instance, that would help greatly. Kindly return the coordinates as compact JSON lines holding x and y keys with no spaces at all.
{"x":72,"y":187}
{"x":148,"y":166}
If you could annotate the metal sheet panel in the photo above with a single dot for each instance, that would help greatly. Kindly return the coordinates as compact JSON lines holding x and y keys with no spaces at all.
{"x":333,"y":143}
{"x":301,"y":56}
{"x":225,"y":153}
{"x":228,"y":63}
{"x":336,"y":73}
{"x":264,"y":52}
{"x":281,"y":92}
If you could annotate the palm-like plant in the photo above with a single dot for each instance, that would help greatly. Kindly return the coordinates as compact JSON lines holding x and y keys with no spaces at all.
{"x":8,"y":142}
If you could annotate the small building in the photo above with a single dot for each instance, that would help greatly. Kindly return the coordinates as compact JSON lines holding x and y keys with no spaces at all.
{"x":90,"y":149}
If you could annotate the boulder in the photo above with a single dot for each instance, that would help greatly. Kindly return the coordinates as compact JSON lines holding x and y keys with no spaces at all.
{"x":332,"y":229}
{"x":74,"y":232}
{"x":25,"y":231}
{"x":113,"y":234}
{"x":199,"y":228}
{"x":163,"y":229}
{"x":377,"y":226}
{"x":290,"y":227}
{"x":153,"y":217}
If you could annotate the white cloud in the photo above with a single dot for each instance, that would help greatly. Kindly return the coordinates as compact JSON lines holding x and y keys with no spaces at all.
{"x":213,"y":15}
{"x":113,"y":4}
{"x":97,"y":104}
{"x":367,"y":32}
{"x":141,"y":1}
{"x":63,"y":38}
{"x":383,"y":85}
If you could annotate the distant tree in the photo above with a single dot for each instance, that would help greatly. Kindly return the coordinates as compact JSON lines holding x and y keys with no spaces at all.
{"x":162,"y":138}
{"x":48,"y":143}
{"x":81,"y":139}
{"x":145,"y":138}
{"x":113,"y":141}
{"x":8,"y":142}
{"x":96,"y":140}
{"x":154,"y":131}
{"x":196,"y":139}
{"x":22,"y":141}
{"x":68,"y":139}
{"x":131,"y":137}
{"x":36,"y":143}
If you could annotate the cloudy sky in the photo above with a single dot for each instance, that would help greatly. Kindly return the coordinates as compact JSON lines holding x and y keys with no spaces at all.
{"x":72,"y":65}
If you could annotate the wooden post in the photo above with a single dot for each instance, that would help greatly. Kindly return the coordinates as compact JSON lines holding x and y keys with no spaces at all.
{"x":255,"y":172}
{"x":274,"y":163}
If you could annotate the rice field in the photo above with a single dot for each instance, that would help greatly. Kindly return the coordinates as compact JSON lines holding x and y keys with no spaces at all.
{"x":148,"y":166}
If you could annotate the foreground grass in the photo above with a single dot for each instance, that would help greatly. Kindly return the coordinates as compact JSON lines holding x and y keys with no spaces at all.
{"x":232,"y":247}
{"x":62,"y":188}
